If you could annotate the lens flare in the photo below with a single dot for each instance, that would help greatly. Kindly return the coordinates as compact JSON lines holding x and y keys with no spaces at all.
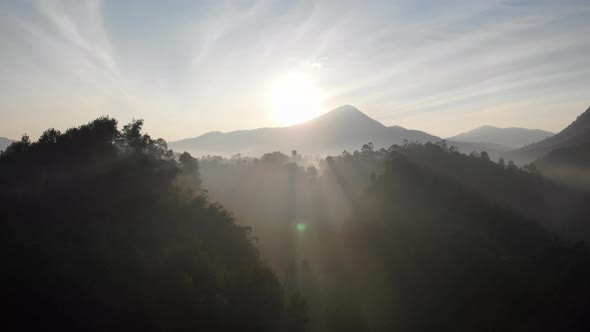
{"x":301,"y":227}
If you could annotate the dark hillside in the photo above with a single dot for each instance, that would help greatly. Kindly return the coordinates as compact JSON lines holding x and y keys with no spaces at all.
{"x":103,"y":230}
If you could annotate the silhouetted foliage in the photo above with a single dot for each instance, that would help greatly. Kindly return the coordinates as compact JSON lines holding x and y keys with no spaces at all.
{"x":276,"y":158}
{"x":442,"y":258}
{"x":97,"y":235}
{"x":484,"y":156}
{"x":416,"y":237}
{"x":106,"y":230}
{"x":511,"y":166}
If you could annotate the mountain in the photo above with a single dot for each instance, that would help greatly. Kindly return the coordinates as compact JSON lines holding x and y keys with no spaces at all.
{"x":4,"y":142}
{"x":344,"y":128}
{"x":430,"y":231}
{"x":509,"y":137}
{"x":577,"y":133}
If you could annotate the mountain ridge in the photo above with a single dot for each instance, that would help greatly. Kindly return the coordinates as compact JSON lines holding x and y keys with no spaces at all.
{"x":513,"y":137}
{"x":343,"y":128}
{"x":577,"y":133}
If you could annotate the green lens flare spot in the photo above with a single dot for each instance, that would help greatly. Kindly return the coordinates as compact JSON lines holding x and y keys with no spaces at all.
{"x":301,"y":227}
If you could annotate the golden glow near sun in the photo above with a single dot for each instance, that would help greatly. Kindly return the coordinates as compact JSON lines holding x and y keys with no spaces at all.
{"x":294,"y":99}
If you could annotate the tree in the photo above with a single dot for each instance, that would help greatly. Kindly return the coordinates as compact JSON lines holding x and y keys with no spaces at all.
{"x":189,"y":164}
{"x":511,"y":166}
{"x":367,"y":149}
{"x":485,"y":156}
{"x":190,"y":178}
{"x":532,"y":168}
{"x":443,"y":145}
{"x":132,"y":138}
{"x":275,"y":158}
{"x":19,"y":146}
{"x":50,"y":136}
{"x":501,"y":162}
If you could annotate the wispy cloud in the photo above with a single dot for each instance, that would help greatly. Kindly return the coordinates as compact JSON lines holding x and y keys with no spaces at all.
{"x":190,"y":67}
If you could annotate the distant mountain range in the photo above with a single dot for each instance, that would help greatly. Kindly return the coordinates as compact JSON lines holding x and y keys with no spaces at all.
{"x":509,"y":137}
{"x":347,"y":128}
{"x":4,"y":142}
{"x":344,"y":128}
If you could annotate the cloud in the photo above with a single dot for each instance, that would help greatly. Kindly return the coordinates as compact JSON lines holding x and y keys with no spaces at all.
{"x":202,"y":63}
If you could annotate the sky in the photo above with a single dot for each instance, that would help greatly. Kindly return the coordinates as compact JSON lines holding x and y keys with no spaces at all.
{"x":190,"y":67}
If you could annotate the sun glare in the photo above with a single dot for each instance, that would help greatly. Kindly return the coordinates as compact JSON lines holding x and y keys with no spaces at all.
{"x":294,"y":99}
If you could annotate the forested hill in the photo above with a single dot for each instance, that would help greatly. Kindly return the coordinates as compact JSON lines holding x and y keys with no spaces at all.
{"x":399,"y":239}
{"x":441,"y":256}
{"x":524,"y":190}
{"x":107,"y":229}
{"x":103,"y":230}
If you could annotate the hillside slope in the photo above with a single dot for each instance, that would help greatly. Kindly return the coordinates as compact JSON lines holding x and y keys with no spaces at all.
{"x":578,"y":132}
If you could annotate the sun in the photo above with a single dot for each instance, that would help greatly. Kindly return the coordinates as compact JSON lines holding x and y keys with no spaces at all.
{"x":294,"y":99}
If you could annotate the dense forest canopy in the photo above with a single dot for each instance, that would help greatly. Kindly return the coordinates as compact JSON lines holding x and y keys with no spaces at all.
{"x":104,"y":230}
{"x":415,"y":237}
{"x":108,"y":229}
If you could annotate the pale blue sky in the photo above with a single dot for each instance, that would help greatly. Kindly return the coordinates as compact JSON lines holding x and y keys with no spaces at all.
{"x":188,"y":67}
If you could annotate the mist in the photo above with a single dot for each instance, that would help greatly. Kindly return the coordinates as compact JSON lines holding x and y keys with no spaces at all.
{"x":295,"y":166}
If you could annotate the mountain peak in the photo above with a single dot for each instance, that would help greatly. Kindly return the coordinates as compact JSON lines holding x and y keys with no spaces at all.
{"x":346,"y":108}
{"x":344,"y":116}
{"x":343,"y":111}
{"x":486,"y":127}
{"x":343,"y":128}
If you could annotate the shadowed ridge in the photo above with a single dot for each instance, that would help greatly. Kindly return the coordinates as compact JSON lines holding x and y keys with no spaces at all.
{"x":580,"y":126}
{"x":578,"y":132}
